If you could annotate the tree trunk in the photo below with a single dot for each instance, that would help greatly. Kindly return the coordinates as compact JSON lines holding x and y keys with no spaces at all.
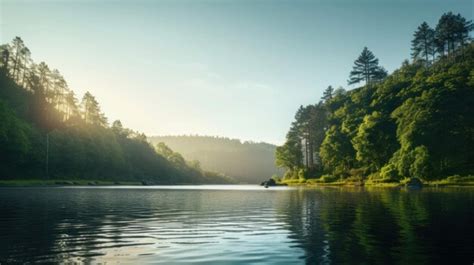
{"x":310,"y":150}
{"x":306,"y":151}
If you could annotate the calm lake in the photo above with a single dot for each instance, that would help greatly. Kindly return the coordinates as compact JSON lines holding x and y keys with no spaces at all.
{"x":236,"y":225}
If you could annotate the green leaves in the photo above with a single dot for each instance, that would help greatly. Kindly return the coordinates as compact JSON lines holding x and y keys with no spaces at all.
{"x":418,"y":122}
{"x":375,"y":141}
{"x":290,"y":155}
{"x":423,"y":43}
{"x":35,"y":103}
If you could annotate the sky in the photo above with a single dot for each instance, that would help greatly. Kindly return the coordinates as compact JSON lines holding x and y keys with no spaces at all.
{"x":237,"y":69}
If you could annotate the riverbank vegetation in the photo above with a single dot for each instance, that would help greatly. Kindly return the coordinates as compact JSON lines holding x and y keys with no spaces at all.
{"x":416,"y":122}
{"x":46,"y":133}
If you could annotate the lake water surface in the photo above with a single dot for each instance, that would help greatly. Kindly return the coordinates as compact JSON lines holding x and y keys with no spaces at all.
{"x":236,"y":225}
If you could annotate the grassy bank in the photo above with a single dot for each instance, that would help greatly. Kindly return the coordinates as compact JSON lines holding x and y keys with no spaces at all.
{"x":449,"y":181}
{"x":62,"y":182}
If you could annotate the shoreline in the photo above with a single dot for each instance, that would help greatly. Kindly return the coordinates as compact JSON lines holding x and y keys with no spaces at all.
{"x":433,"y":184}
{"x":310,"y":184}
{"x":76,"y":182}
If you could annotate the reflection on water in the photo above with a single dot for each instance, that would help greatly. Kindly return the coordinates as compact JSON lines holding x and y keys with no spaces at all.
{"x":236,"y":224}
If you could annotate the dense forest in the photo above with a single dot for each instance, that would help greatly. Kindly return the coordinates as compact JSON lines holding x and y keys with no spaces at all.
{"x":416,"y":122}
{"x":46,"y":133}
{"x":246,"y":162}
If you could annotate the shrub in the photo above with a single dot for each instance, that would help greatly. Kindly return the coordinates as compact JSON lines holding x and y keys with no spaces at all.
{"x":356,"y":172}
{"x":420,"y":167}
{"x":354,"y":179}
{"x":327,"y":178}
{"x":290,"y":174}
{"x":302,"y":174}
{"x":389,"y":173}
{"x":458,"y":178}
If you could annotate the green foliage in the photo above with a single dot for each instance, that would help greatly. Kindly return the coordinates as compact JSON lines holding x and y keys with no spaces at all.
{"x":337,"y":153}
{"x":420,"y":167}
{"x":45,"y":134}
{"x":366,"y":68}
{"x":327,"y":178}
{"x":423,"y":43}
{"x":303,"y":141}
{"x":302,"y":173}
{"x":92,"y":113}
{"x":290,"y":174}
{"x":417,"y":122}
{"x":289,"y":155}
{"x":389,"y":172}
{"x":375,"y":141}
{"x":452,"y":32}
{"x":328,"y":94}
{"x":15,"y":140}
{"x":460,"y":179}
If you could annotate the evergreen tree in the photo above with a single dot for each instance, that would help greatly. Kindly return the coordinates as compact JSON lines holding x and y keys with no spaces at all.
{"x":36,"y":104}
{"x":452,"y":32}
{"x":366,"y":68}
{"x":71,"y":106}
{"x":5,"y":57}
{"x":380,"y":74}
{"x":423,"y":44}
{"x":17,"y":48}
{"x":463,"y":28}
{"x":44,"y":74}
{"x":328,"y":94}
{"x":290,"y":155}
{"x":91,"y":111}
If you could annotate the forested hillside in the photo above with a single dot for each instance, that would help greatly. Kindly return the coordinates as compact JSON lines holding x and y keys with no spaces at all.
{"x":45,"y":133}
{"x":416,"y":122}
{"x":246,"y":162}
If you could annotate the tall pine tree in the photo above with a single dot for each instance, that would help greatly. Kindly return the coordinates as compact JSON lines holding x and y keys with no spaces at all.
{"x":366,"y":68}
{"x":423,"y":42}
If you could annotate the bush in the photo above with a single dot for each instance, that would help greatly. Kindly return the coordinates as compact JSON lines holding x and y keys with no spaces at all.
{"x":374,"y":176}
{"x":357,"y":173}
{"x":421,"y":168}
{"x":276,"y":178}
{"x":327,"y":178}
{"x":354,"y":179}
{"x":458,"y":178}
{"x":389,"y":173}
{"x":290,"y":174}
{"x":302,"y":174}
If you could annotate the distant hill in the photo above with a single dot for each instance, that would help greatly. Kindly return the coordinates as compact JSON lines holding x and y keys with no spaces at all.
{"x":247,"y":162}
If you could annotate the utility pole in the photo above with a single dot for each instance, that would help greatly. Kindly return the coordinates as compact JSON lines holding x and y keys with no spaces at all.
{"x":47,"y":155}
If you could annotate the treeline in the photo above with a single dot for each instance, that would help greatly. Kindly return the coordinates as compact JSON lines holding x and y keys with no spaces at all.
{"x":416,"y":122}
{"x":246,"y":162}
{"x":45,"y":132}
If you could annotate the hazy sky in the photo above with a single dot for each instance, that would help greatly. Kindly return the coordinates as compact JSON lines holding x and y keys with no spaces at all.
{"x":230,"y":68}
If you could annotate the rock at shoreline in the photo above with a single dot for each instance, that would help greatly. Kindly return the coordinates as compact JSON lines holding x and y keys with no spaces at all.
{"x":414,"y":183}
{"x":147,"y":183}
{"x":64,"y":183}
{"x":271,"y":183}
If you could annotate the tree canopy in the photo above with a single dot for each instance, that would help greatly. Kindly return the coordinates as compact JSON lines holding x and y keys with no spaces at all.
{"x":415,"y":122}
{"x":46,"y":133}
{"x":366,"y":68}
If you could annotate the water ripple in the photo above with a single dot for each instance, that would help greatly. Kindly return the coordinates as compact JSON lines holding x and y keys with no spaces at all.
{"x":214,"y":225}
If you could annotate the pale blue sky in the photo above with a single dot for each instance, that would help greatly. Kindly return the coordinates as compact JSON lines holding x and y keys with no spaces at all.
{"x":230,"y":68}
